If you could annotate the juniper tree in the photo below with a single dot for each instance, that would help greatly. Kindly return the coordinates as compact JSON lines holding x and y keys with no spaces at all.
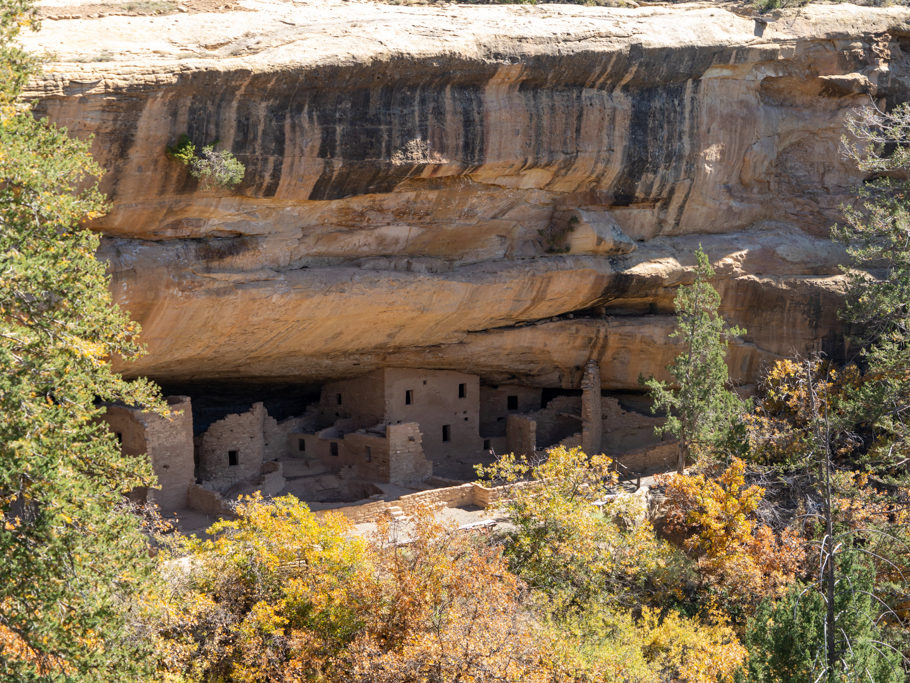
{"x":701,"y":410}
{"x":876,"y":233}
{"x":789,"y":639}
{"x":71,"y":555}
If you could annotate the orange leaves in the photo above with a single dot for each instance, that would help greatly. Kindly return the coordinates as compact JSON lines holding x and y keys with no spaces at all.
{"x":716,"y":521}
{"x":13,"y":647}
{"x":714,"y":514}
{"x":780,"y":427}
{"x":443,"y":607}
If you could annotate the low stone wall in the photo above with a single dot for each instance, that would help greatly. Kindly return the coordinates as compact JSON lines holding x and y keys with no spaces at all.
{"x":208,"y":502}
{"x":645,"y":461}
{"x":449,"y":496}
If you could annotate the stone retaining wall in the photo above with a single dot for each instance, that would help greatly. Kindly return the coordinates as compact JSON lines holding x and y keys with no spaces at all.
{"x":450,"y":496}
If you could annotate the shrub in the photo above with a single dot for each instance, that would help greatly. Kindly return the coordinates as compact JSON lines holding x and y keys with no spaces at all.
{"x":716,"y":518}
{"x":281,"y":595}
{"x":216,"y":168}
{"x":605,"y":644}
{"x":574,"y":553}
{"x":212,"y":168}
{"x":786,"y":638}
{"x":183,"y":150}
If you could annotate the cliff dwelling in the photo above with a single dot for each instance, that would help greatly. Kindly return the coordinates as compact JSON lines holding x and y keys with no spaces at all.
{"x":435,"y":237}
{"x":388,"y":431}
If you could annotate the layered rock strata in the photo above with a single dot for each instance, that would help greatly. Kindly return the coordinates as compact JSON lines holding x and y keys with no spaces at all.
{"x":507,"y":191}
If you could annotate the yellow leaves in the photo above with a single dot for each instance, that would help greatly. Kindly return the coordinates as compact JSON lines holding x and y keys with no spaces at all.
{"x":283,"y":595}
{"x":715,"y":518}
{"x":688,"y":650}
{"x":780,"y":428}
{"x":81,"y":347}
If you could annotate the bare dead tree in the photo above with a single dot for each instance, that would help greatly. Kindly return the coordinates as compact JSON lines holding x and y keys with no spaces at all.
{"x":821,"y":447}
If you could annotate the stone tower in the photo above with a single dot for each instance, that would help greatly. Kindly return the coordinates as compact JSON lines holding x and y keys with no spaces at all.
{"x":591,"y":416}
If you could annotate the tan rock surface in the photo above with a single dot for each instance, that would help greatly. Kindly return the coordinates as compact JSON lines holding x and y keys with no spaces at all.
{"x":411,"y":173}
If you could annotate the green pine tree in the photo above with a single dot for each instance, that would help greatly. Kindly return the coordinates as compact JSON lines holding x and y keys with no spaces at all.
{"x":875,"y":234}
{"x":787,"y":640}
{"x":701,"y":410}
{"x":72,"y":556}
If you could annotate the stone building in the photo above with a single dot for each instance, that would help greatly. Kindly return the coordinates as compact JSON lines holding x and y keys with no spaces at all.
{"x":453,"y":417}
{"x":232,"y":449}
{"x":445,"y":405}
{"x":497,"y":403}
{"x":235,"y":448}
{"x":168,"y":443}
{"x":391,"y":425}
{"x":385,"y":453}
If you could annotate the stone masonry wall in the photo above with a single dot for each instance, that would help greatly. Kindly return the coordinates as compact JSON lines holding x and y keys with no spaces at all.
{"x":407,"y":462}
{"x":360,"y":399}
{"x":591,"y":410}
{"x":168,"y":443}
{"x":494,"y":406}
{"x":238,"y":439}
{"x":450,"y":496}
{"x":445,"y":404}
{"x":521,"y":433}
{"x":560,"y":419}
{"x":367,"y":454}
{"x":125,"y":423}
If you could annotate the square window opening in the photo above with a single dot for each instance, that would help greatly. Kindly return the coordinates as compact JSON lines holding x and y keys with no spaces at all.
{"x":512,"y":403}
{"x":301,"y":445}
{"x":486,"y":444}
{"x":333,"y":448}
{"x":232,"y":458}
{"x":446,"y":432}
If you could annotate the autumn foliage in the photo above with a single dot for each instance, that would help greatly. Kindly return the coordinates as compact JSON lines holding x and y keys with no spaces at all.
{"x":280,"y":595}
{"x":716,"y":519}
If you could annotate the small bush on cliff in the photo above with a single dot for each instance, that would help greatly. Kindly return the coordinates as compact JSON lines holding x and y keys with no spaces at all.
{"x":212,"y":168}
{"x":763,"y":6}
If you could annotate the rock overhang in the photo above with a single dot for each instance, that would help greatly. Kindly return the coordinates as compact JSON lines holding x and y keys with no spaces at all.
{"x":408,"y":168}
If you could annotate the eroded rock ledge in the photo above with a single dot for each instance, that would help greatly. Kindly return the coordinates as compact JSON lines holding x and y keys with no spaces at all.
{"x":505,"y":190}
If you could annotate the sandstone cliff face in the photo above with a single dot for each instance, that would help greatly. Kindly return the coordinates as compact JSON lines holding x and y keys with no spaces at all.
{"x":504,"y":190}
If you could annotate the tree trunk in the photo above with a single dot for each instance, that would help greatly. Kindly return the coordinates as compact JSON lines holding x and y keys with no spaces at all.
{"x":827,"y":577}
{"x":682,"y":454}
